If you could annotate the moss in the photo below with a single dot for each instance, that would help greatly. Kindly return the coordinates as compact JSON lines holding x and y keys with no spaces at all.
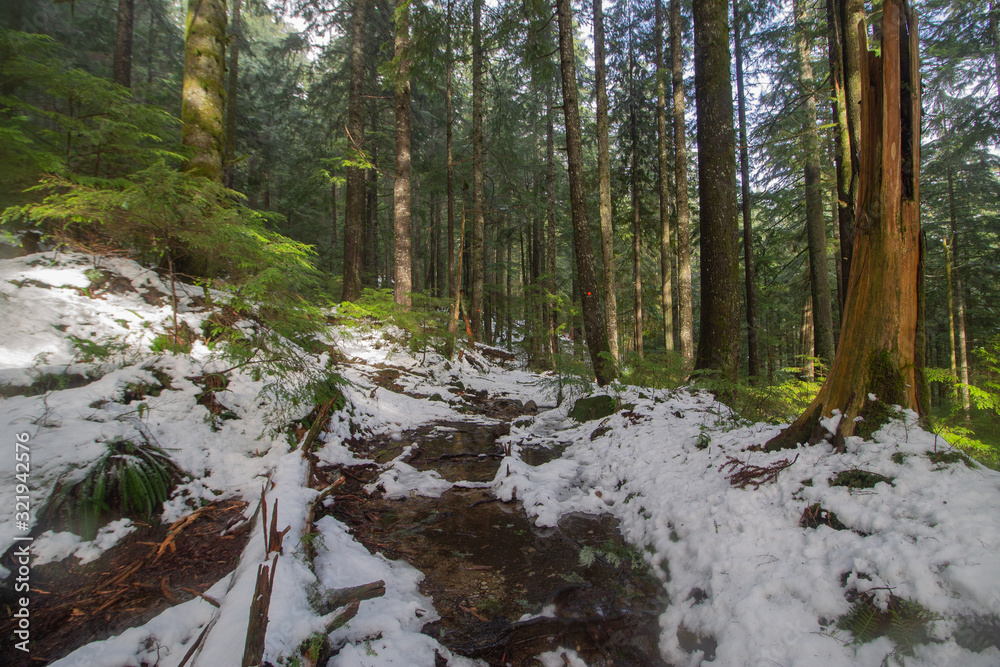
{"x":947,"y":457}
{"x":885,"y":383}
{"x":856,"y":478}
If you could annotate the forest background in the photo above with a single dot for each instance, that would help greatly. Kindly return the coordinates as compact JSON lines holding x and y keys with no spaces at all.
{"x":297,"y":186}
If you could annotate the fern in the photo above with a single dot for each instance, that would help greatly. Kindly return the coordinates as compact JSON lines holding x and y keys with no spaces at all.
{"x":129,"y":479}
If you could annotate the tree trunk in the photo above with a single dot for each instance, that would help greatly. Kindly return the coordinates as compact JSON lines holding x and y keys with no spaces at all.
{"x":807,"y":341}
{"x":663,"y":186}
{"x":719,"y":340}
{"x":370,"y":249}
{"x":550,"y":217}
{"x":478,"y":221}
{"x":957,"y":316}
{"x":636,"y":236}
{"x":203,"y":96}
{"x":684,"y":294}
{"x":748,"y":260}
{"x":449,"y":163}
{"x":354,"y":199}
{"x":850,"y":16}
{"x":844,"y":196}
{"x":402,"y":284}
{"x":815,"y":225}
{"x":232,"y":95}
{"x":880,"y":357}
{"x":597,"y":341}
{"x":123,"y":43}
{"x":604,"y":185}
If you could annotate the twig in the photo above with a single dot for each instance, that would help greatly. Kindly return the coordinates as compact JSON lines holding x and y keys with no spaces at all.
{"x":744,"y":474}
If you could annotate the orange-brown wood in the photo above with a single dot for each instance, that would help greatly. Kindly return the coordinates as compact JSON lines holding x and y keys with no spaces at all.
{"x":881,"y":319}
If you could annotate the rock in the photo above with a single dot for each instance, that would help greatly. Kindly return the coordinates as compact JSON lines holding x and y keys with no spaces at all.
{"x":531,"y":408}
{"x":436,"y":397}
{"x":593,"y":407}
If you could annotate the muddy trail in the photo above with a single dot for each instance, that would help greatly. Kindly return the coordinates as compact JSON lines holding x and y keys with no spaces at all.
{"x":506,"y":590}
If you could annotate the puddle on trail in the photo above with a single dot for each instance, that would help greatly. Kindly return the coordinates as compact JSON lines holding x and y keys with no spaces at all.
{"x":487,"y":565}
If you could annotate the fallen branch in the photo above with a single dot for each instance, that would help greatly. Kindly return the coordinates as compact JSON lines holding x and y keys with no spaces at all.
{"x":175,"y":528}
{"x":344,"y":596}
{"x":744,"y":474}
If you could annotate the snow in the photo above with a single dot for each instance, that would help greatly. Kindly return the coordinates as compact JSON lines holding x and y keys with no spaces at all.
{"x":52,"y":546}
{"x":734,"y":563}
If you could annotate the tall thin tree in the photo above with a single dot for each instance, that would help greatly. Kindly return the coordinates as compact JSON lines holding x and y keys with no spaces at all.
{"x":684,"y":290}
{"x":354,"y":198}
{"x":604,"y":184}
{"x":748,"y":258}
{"x":123,"y":43}
{"x":478,"y":204}
{"x":402,"y":243}
{"x":663,"y":185}
{"x":232,"y":95}
{"x":815,"y":224}
{"x":593,"y":321}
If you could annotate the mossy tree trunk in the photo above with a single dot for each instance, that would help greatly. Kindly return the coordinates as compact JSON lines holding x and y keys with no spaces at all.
{"x":203,"y":96}
{"x":880,"y":357}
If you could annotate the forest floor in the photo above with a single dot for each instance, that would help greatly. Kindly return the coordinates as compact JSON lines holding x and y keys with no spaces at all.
{"x":506,"y":529}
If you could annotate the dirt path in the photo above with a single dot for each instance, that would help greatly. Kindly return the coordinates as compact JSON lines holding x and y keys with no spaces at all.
{"x":506,"y":590}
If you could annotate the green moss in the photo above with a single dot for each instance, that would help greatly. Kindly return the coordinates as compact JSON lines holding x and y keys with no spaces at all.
{"x":947,"y":457}
{"x":856,"y":478}
{"x":885,"y":383}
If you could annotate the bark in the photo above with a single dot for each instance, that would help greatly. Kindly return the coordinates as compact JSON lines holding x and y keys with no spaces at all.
{"x":604,"y":185}
{"x":597,"y":342}
{"x":879,"y":360}
{"x":354,"y":199}
{"x":203,"y":94}
{"x":684,"y":294}
{"x":402,"y":279}
{"x":478,"y":221}
{"x":719,"y":340}
{"x":123,"y":43}
{"x":748,"y":260}
{"x":815,"y":225}
{"x":663,"y":187}
{"x":232,"y":95}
